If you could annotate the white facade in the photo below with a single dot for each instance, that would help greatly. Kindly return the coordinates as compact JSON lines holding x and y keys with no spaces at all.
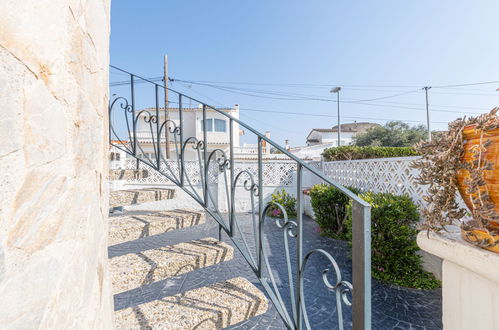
{"x":328,"y":136}
{"x":218,"y":131}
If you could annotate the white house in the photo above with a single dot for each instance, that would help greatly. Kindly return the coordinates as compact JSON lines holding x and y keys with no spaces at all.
{"x":218,"y":134}
{"x":217,"y":125}
{"x":330,"y":135}
{"x":322,"y":138}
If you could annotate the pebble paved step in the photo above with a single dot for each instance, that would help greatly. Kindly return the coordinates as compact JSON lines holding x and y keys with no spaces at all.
{"x":138,"y":196}
{"x":133,"y":270}
{"x":211,"y":307}
{"x":128,"y":174}
{"x":133,"y":225}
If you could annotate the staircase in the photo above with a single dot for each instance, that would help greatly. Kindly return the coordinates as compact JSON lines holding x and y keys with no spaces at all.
{"x":154,"y":252}
{"x":141,"y":257}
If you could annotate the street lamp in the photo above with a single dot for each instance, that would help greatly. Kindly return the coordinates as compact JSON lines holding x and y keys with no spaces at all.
{"x":337,"y":91}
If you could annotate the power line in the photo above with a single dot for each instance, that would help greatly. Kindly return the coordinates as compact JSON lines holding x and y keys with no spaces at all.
{"x":354,"y":101}
{"x":469,"y":84}
{"x":332,"y":116}
{"x":337,"y":84}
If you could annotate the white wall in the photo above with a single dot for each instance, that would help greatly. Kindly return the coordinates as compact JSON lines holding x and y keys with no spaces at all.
{"x":192,"y":128}
{"x":54,"y":58}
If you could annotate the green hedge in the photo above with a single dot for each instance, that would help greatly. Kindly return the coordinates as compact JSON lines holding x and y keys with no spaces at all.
{"x":393,"y":235}
{"x":356,"y":152}
{"x":329,"y":205}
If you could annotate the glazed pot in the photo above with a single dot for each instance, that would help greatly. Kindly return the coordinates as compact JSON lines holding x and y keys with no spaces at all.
{"x":472,"y":140}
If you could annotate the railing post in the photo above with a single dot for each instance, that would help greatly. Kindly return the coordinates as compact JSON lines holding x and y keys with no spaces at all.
{"x":181,"y":125}
{"x":299,"y":246}
{"x":361,"y":266}
{"x":260,"y":207}
{"x":205,"y":156}
{"x":132,"y":91}
{"x":232,"y":191}
{"x":158,"y":136}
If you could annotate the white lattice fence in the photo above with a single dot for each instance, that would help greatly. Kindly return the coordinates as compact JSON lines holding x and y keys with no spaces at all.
{"x":275,"y":173}
{"x":393,"y":175}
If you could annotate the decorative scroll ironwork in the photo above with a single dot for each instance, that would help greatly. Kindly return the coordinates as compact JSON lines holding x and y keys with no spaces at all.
{"x":196,"y":178}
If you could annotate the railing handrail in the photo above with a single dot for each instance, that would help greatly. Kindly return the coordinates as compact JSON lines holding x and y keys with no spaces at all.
{"x":263,"y":137}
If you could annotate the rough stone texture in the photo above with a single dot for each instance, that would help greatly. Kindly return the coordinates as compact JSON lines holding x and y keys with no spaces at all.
{"x":118,"y":174}
{"x":138,"y":196}
{"x":135,"y":224}
{"x":213,"y":307}
{"x":132,"y":270}
{"x":54,"y":58}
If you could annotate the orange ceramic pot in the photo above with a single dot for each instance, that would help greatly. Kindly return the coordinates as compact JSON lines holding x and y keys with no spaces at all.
{"x":471,"y":139}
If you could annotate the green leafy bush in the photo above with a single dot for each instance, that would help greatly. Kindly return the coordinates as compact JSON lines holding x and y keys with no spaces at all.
{"x":329,"y":205}
{"x":392,"y":134}
{"x":368,"y":152}
{"x":286,"y":200}
{"x":393,"y":235}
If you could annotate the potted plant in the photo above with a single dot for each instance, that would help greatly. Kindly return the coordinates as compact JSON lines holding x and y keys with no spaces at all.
{"x":464,"y":159}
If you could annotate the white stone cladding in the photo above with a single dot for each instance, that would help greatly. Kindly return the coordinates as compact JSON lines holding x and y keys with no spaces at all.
{"x":54,"y":58}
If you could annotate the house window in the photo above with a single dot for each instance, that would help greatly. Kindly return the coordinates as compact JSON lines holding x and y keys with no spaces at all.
{"x":219,"y":125}
{"x":208,"y":126}
{"x":214,"y":125}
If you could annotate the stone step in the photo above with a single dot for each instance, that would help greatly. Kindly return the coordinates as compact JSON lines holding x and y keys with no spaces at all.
{"x":133,"y":225}
{"x":138,"y":196}
{"x":133,"y":270}
{"x":211,"y":307}
{"x":122,"y":174}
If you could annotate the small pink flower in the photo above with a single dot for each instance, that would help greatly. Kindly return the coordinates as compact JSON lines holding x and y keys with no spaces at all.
{"x":276,"y":212}
{"x":381,"y":269}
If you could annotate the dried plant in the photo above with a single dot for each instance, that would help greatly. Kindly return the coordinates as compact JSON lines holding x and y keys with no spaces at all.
{"x":440,"y":163}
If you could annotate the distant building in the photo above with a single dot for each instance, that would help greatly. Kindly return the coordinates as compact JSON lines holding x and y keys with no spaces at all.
{"x":217,"y":134}
{"x":322,"y":138}
{"x":217,"y":127}
{"x":319,"y":136}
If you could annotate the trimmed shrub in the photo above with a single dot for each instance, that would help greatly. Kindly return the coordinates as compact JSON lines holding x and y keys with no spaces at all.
{"x":286,"y":200}
{"x":329,"y":205}
{"x":393,"y":225}
{"x":368,"y":152}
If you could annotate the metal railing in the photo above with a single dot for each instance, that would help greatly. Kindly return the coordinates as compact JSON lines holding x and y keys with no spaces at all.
{"x":124,"y":120}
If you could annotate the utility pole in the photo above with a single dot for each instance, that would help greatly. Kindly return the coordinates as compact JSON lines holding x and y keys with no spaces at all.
{"x":167,"y":113}
{"x":337,"y":91}
{"x":426,"y":88}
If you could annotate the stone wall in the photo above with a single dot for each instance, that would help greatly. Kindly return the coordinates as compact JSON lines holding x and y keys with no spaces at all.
{"x":54,"y":58}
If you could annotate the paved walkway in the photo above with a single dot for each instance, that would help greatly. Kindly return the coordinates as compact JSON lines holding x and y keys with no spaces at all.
{"x":393,"y":307}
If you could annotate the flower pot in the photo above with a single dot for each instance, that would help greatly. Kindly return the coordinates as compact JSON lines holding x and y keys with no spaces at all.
{"x":474,"y":139}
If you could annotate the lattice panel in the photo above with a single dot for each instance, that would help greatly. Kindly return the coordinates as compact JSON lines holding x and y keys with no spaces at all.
{"x":280,"y":173}
{"x":275,"y":173}
{"x":170,"y":167}
{"x":393,"y":175}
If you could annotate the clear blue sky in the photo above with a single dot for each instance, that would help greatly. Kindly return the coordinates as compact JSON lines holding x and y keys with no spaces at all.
{"x":406,"y":44}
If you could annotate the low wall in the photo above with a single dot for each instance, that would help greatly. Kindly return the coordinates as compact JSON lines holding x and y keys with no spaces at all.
{"x":470,"y":281}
